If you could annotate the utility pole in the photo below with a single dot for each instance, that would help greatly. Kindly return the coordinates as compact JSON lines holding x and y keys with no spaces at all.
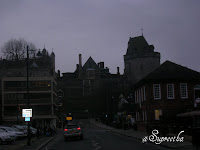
{"x":17,"y":92}
{"x":28,"y":142}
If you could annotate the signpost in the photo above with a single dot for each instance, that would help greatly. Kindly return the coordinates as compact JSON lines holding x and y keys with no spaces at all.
{"x":27,"y":113}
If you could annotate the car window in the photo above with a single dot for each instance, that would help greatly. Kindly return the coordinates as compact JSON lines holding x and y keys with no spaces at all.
{"x":72,"y":126}
{"x":15,"y":129}
{"x":1,"y":130}
{"x":9,"y":129}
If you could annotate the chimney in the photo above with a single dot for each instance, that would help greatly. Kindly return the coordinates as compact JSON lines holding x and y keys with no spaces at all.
{"x":80,"y":67}
{"x":58,"y":73}
{"x":77,"y":67}
{"x":118,"y":71}
{"x":80,"y":60}
{"x":101,"y":65}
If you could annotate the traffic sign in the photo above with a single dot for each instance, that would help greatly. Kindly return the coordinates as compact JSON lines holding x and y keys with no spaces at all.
{"x":68,"y":118}
{"x":26,"y":112}
{"x":27,"y":119}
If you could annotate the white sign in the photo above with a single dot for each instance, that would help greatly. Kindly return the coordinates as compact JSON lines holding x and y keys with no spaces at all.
{"x":26,"y":112}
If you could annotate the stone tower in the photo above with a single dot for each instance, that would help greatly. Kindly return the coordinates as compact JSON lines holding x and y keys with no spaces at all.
{"x":140,"y":60}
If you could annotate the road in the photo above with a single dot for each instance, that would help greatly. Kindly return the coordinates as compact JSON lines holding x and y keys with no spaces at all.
{"x":99,"y":139}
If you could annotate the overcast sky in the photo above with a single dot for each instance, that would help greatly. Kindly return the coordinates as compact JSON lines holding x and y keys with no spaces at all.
{"x":101,"y":28}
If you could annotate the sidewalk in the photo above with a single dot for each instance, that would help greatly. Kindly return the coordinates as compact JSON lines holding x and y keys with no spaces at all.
{"x":35,"y":144}
{"x":140,"y":135}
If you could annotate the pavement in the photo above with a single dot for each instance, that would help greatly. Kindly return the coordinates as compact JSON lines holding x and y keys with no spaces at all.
{"x":139,"y":135}
{"x":35,"y":143}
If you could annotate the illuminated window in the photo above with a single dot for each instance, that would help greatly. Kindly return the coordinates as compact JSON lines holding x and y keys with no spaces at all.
{"x":183,"y":88}
{"x":158,"y":113}
{"x":170,"y":91}
{"x":156,"y":90}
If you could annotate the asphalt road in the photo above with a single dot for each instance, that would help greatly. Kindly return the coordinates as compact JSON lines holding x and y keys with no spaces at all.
{"x":99,"y":139}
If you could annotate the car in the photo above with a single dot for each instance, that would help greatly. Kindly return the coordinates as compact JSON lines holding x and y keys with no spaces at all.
{"x":32,"y":130}
{"x":15,"y":134}
{"x":5,"y":137}
{"x":24,"y":133}
{"x":72,"y":131}
{"x":20,"y":128}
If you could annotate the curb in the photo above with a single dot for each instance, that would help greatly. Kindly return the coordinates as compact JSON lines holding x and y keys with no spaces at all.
{"x":44,"y":144}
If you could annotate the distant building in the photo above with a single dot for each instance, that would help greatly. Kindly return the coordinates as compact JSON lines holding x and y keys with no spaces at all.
{"x":90,"y":88}
{"x":140,"y":60}
{"x":42,"y":89}
{"x":167,"y":91}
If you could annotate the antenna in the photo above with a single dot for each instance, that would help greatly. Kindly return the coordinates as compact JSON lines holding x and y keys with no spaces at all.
{"x":142,"y":31}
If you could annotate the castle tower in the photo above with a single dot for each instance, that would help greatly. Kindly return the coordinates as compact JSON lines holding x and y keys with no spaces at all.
{"x":140,"y":59}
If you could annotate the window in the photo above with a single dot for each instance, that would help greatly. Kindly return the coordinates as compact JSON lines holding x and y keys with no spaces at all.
{"x":144,"y":94}
{"x":137,"y":116}
{"x":183,"y":88}
{"x":139,"y":96}
{"x":170,"y":91}
{"x":156,"y":90}
{"x":135,"y":97}
{"x":145,"y":113}
{"x":158,"y":113}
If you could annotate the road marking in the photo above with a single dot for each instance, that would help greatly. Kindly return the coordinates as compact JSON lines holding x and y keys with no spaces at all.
{"x":95,"y":145}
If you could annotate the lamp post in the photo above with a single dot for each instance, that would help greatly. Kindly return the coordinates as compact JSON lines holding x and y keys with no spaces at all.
{"x":27,"y":61}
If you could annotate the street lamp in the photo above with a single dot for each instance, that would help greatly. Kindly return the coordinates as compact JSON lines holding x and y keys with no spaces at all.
{"x":28,"y":142}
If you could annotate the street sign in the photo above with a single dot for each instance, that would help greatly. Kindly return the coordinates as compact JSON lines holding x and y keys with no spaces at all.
{"x":26,"y":112}
{"x":68,"y":118}
{"x":27,"y":119}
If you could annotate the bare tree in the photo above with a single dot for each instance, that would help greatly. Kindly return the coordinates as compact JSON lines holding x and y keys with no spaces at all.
{"x":16,"y":49}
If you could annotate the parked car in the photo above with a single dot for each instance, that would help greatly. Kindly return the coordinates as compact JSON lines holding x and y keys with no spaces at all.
{"x":20,"y":128}
{"x":25,"y":133}
{"x":72,"y":131}
{"x":16,"y":134}
{"x":32,"y":130}
{"x":5,"y":137}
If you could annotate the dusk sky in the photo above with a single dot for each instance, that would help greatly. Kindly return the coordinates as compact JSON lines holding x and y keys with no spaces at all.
{"x":101,"y":29}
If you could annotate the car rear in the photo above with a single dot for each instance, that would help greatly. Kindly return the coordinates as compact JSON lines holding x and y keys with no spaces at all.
{"x":72,"y":131}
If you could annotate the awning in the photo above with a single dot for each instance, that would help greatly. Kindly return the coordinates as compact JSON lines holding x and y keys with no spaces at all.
{"x":187,"y":114}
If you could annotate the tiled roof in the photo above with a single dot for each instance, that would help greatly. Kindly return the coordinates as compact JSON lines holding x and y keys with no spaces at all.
{"x":171,"y":71}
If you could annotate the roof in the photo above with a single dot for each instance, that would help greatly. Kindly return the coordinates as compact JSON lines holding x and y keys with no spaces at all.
{"x":138,"y":45}
{"x":90,"y":63}
{"x":171,"y":71}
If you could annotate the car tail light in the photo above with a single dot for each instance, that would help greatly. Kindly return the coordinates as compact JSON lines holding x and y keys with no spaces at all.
{"x":79,"y":128}
{"x":65,"y":129}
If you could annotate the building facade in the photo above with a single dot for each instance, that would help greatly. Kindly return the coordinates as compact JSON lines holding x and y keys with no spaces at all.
{"x":41,"y":94}
{"x":169,"y":90}
{"x":91,"y":88}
